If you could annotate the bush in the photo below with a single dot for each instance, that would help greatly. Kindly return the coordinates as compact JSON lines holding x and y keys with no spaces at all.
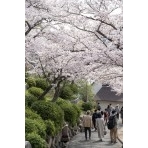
{"x":78,"y":110}
{"x":50,"y":128}
{"x":31,"y":114}
{"x":61,"y":101}
{"x":70,"y":114}
{"x":74,"y":88}
{"x":41,"y":83}
{"x":31,"y":82}
{"x":29,"y":99}
{"x":37,"y":126}
{"x":49,"y":110}
{"x":36,"y":140}
{"x":67,"y":93}
{"x":71,"y":111}
{"x":35,"y":91}
{"x":87,"y":106}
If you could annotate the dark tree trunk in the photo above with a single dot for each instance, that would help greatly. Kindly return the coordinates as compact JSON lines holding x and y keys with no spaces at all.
{"x":58,"y":90}
{"x":47,"y":89}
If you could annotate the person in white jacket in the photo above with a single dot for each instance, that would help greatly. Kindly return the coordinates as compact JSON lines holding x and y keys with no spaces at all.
{"x":100,"y":126}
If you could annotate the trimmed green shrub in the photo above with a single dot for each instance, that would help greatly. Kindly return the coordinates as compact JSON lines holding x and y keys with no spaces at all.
{"x":31,"y":114}
{"x":70,"y":115}
{"x":71,"y":111}
{"x":50,"y":128}
{"x":61,"y":101}
{"x":41,"y":83}
{"x":31,"y":82}
{"x":78,"y":110}
{"x":49,"y":110}
{"x":37,"y":126}
{"x":29,"y":99}
{"x":36,"y":140}
{"x":74,"y":88}
{"x":87,"y":106}
{"x":67,"y":93}
{"x":35,"y":91}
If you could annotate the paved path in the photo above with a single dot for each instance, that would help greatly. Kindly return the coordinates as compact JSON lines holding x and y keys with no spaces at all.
{"x":120,"y":131}
{"x":79,"y":141}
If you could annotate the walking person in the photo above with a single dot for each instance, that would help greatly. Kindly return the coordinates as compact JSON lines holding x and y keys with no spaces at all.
{"x":108,"y":110}
{"x":117,"y":110}
{"x":87,"y":124}
{"x":121,"y":112}
{"x":94,"y":116}
{"x":99,"y":107}
{"x":66,"y":134}
{"x":105,"y":116}
{"x":102,"y":115}
{"x":100,"y":126}
{"x":112,"y":126}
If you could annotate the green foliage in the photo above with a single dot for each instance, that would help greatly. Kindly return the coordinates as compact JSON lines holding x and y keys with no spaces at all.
{"x":31,"y":82}
{"x":74,"y":88}
{"x":87,"y":106}
{"x":61,"y":101}
{"x":85,"y":91}
{"x":67,"y":93}
{"x":49,"y":110}
{"x":29,"y":99}
{"x":70,"y":113}
{"x":50,"y":128}
{"x":41,"y":83}
{"x":36,"y":140}
{"x":35,"y":91}
{"x":38,"y":126}
{"x":78,"y":110}
{"x":32,"y":114}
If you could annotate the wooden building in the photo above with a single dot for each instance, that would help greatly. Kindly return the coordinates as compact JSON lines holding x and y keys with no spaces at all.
{"x":106,"y":96}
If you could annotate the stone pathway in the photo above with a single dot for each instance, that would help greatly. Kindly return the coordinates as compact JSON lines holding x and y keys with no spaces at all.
{"x":120,"y":134}
{"x":79,"y":141}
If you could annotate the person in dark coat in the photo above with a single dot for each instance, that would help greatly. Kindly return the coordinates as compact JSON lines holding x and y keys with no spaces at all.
{"x":94,"y":116}
{"x":113,"y":131}
{"x":99,"y":107}
{"x":121,"y":112}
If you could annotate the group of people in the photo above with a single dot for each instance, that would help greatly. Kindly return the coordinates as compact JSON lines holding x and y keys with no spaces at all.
{"x":100,"y":119}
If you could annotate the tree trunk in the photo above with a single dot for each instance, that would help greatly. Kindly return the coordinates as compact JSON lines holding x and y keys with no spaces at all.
{"x":49,"y":142}
{"x":57,"y":92}
{"x":47,"y":89}
{"x":44,"y":74}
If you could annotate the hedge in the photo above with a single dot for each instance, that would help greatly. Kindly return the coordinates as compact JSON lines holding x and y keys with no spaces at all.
{"x":49,"y":110}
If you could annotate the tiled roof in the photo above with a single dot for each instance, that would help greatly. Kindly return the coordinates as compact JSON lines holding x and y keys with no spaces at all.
{"x":106,"y":93}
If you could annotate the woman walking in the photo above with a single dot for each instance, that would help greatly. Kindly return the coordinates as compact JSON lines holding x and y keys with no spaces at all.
{"x":100,"y":126}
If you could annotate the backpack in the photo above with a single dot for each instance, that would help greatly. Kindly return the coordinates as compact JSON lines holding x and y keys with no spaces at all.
{"x":111,"y":123}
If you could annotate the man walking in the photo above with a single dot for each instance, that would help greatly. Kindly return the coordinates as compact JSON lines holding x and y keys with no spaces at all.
{"x":94,"y":116}
{"x":112,"y":125}
{"x":99,"y":107}
{"x":87,"y":124}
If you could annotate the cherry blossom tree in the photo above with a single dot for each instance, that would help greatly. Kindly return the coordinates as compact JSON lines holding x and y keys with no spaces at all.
{"x":75,"y":40}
